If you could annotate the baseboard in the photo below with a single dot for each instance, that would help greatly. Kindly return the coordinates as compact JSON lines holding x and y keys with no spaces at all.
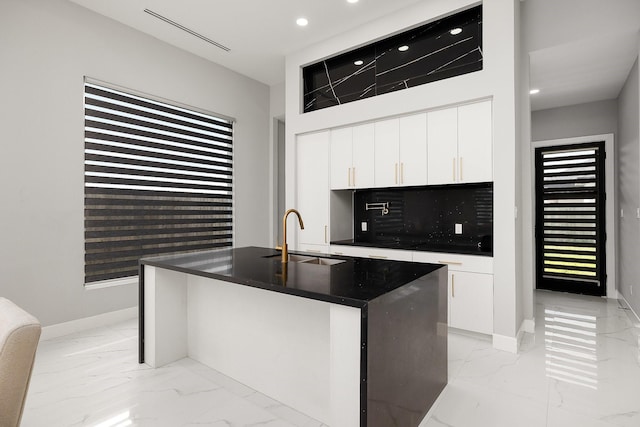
{"x":512,"y":344}
{"x":529,"y":326}
{"x":66,"y":328}
{"x":629,"y":305}
{"x":505,"y":343}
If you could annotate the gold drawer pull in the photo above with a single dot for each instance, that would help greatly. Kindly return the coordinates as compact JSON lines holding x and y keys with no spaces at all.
{"x":378,"y":256}
{"x":453,"y":286}
{"x":450,"y":262}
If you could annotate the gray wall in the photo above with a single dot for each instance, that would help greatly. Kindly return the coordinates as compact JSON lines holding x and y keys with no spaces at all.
{"x":629,"y":188}
{"x":47,"y":46}
{"x":594,"y":118}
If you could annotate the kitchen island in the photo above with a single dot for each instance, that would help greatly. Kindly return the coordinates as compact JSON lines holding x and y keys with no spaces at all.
{"x":348,"y":341}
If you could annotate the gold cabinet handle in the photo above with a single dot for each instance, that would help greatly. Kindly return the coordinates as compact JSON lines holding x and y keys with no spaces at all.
{"x":454,"y":169}
{"x":353,"y":169}
{"x":378,"y":256}
{"x":325,"y":234}
{"x":396,"y":173}
{"x":453,"y":286}
{"x":349,"y":177}
{"x":338,"y":253}
{"x":450,"y":262}
{"x":401,"y":173}
{"x":461,"y":169}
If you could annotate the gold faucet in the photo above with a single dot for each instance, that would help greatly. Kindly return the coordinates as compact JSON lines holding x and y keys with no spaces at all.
{"x":285,"y":248}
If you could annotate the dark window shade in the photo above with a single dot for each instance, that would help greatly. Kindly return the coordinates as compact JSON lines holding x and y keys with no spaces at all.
{"x":158,"y":180}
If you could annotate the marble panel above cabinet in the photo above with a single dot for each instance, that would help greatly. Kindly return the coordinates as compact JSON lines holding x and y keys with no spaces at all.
{"x":445,"y":48}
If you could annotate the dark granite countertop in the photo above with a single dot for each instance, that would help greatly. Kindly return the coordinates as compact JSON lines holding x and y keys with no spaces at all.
{"x":354,"y":282}
{"x":470,"y":248}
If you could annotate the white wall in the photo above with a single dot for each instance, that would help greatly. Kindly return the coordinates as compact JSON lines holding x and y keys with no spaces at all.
{"x":277,"y":114}
{"x":497,"y":80}
{"x":47,"y":46}
{"x":629,"y":188}
{"x":594,"y":118}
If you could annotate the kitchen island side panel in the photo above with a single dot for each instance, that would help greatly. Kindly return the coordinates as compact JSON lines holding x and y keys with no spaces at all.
{"x":407,"y":351}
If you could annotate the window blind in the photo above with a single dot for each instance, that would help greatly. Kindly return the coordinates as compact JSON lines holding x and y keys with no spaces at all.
{"x":158,"y":180}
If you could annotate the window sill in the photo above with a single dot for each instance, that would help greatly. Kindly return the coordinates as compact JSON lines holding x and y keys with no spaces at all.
{"x":133,"y":280}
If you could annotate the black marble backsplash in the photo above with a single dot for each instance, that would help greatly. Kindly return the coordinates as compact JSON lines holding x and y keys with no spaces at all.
{"x":445,"y":48}
{"x":426,"y":217}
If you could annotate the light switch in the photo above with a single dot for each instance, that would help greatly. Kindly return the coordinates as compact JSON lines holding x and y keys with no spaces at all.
{"x":363,"y":226}
{"x":458,"y":228}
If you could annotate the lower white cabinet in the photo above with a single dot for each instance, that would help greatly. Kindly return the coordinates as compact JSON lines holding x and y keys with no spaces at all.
{"x":471,"y":301}
{"x":369,"y":252}
{"x":470,"y":289}
{"x":316,"y":249}
{"x":470,"y":282}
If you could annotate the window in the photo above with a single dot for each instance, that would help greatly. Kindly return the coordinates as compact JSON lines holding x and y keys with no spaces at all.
{"x":158,"y":180}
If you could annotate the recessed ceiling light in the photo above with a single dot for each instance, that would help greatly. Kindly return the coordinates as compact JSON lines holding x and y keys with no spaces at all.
{"x":352,"y":1}
{"x":455,"y":31}
{"x":534,"y":91}
{"x":359,"y":62}
{"x":403,"y":48}
{"x":302,"y":22}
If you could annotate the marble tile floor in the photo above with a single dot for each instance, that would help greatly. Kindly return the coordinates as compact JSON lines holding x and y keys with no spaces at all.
{"x":581,"y":368}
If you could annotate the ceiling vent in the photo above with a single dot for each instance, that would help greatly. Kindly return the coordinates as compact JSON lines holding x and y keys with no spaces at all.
{"x":188,"y":30}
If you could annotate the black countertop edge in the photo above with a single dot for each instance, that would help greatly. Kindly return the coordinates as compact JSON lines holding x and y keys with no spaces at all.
{"x":420,"y":248}
{"x":266,"y":286}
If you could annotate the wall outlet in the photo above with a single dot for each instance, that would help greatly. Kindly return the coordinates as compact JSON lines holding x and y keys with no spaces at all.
{"x":363,"y":226}
{"x":458,"y":229}
{"x":630,"y":290}
{"x":621,"y":213}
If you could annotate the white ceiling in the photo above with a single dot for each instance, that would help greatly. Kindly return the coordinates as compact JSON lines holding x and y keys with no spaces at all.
{"x":259,"y":32}
{"x":580,"y":50}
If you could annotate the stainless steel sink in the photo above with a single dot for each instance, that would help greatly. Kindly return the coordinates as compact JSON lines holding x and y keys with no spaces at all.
{"x":303,"y":259}
{"x":322,"y":261}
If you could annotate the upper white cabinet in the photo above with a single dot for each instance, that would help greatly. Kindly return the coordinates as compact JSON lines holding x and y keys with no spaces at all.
{"x":387,"y":152}
{"x":442,"y":146}
{"x":312,"y":195}
{"x":352,"y":157}
{"x":341,"y":157}
{"x":475,"y":153}
{"x":459,"y":144}
{"x":401,"y":151}
{"x":413,"y":149}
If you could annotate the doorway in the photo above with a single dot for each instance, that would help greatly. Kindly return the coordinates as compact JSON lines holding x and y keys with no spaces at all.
{"x":570,"y":218}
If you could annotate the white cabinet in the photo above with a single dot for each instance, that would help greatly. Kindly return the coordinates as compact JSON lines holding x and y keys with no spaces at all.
{"x":413,"y":150}
{"x":401,"y":151}
{"x":387,"y":149}
{"x":475,"y":154}
{"x":442,"y":146}
{"x":471,"y":301}
{"x":312,"y":190}
{"x":352,"y":157}
{"x":369,"y":252}
{"x":341,"y":157}
{"x":470,"y":289}
{"x":459,"y":144}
